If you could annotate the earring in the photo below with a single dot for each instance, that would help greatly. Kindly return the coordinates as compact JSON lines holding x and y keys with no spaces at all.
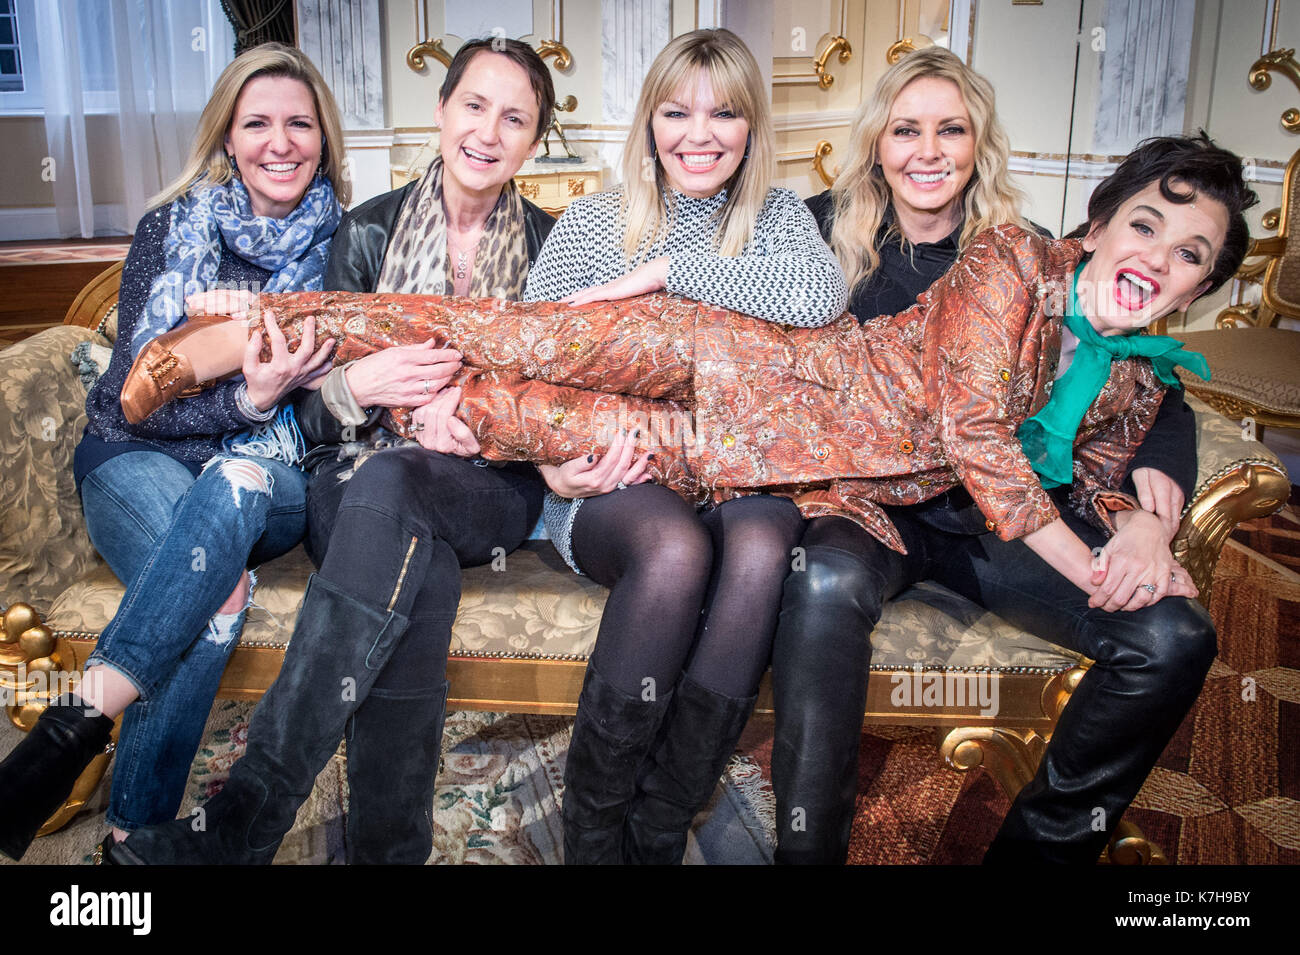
{"x":234,"y":167}
{"x":654,"y":149}
{"x":748,"y":139}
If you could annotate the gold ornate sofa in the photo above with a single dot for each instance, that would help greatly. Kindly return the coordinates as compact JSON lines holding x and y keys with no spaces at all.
{"x":527,"y":623}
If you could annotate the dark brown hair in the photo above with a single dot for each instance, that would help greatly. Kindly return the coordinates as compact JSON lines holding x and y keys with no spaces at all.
{"x":1185,"y":167}
{"x":517,"y":52}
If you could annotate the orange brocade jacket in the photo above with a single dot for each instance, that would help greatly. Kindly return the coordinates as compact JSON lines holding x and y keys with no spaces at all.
{"x":841,"y":419}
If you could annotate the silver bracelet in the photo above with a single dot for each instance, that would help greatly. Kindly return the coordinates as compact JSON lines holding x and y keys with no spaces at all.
{"x":250,"y":410}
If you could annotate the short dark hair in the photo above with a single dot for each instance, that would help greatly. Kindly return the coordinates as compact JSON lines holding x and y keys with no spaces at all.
{"x":517,"y":52}
{"x":1192,"y":161}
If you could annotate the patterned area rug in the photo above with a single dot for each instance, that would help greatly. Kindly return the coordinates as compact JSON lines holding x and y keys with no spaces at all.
{"x":498,"y":792}
{"x":1226,"y":790}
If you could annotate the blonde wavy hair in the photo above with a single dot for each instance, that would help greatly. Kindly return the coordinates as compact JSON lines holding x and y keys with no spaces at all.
{"x":732,"y":71}
{"x":861,"y":194}
{"x":208,"y":163}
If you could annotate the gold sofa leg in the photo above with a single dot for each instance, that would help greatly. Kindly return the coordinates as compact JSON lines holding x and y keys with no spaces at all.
{"x":1012,"y":756}
{"x":31,"y":676}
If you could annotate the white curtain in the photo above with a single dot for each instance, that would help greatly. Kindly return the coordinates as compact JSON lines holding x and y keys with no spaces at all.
{"x":141,"y":71}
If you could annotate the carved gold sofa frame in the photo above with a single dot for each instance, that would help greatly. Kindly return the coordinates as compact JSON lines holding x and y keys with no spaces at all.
{"x":526,"y":623}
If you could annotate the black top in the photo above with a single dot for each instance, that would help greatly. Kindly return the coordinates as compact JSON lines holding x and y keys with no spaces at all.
{"x":188,"y":429}
{"x":905,"y":271}
{"x":908,"y":270}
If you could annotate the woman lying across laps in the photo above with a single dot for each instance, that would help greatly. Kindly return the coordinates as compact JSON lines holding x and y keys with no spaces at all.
{"x":817,"y":414}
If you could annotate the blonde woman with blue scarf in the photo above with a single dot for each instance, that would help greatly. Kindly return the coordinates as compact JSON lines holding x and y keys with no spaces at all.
{"x":181,"y":505}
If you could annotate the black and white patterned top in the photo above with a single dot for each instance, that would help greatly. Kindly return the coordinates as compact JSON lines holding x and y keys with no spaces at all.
{"x":786,"y":274}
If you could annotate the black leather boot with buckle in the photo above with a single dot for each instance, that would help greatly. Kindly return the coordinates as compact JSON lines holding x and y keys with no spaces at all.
{"x":39,"y":774}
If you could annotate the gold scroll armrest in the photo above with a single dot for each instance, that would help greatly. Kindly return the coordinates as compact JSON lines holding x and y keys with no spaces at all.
{"x":1238,"y":480}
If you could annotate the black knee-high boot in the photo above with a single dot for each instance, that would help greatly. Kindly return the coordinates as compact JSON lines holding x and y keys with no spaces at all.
{"x":698,"y":737}
{"x":611,"y":736}
{"x":338,"y":648}
{"x":40,"y":772}
{"x":819,"y":680}
{"x":394,"y":744}
{"x":1113,"y":730}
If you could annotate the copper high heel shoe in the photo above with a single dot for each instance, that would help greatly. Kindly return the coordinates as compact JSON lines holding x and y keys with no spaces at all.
{"x":160,"y":375}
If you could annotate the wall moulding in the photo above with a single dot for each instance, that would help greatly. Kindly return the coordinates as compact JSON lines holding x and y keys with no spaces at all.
{"x":1090,"y":166}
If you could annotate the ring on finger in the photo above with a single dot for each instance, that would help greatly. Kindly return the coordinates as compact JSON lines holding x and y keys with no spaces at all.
{"x":1149,"y":588}
{"x":620,"y":486}
{"x":419,"y":426}
{"x":426,"y":386}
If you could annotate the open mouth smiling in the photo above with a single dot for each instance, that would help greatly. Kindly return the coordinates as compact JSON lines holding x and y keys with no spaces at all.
{"x":1133,"y":290}
{"x":699,"y":162}
{"x":281,"y":170}
{"x":477,"y":156}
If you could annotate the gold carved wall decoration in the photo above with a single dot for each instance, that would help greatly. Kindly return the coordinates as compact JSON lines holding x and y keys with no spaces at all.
{"x":434,"y":48}
{"x":1283,"y":61}
{"x":824,"y":79}
{"x":563,"y":58}
{"x":577,"y":187}
{"x":905,"y":46}
{"x":530,"y":190}
{"x":820,"y":152}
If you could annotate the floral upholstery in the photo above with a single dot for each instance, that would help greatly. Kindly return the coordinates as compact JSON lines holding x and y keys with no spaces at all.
{"x":43,"y":542}
{"x":535,"y":606}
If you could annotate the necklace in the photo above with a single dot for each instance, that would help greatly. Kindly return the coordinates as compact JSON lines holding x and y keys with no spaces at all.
{"x":462,"y":259}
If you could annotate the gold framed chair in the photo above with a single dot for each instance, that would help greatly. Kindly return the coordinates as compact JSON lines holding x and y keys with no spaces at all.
{"x":1256,"y":365}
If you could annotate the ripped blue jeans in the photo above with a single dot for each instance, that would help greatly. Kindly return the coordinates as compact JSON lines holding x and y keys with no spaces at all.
{"x":179,"y":543}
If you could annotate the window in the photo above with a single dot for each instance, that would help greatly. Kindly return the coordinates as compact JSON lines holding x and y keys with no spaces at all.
{"x":20,"y":61}
{"x":11,"y":59}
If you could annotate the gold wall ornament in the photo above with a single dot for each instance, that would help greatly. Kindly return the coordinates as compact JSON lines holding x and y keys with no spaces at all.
{"x":824,"y":79}
{"x":1284,"y":62}
{"x":577,"y":187}
{"x":563,"y":58}
{"x":820,"y":152}
{"x":434,"y":48}
{"x":530,"y":190}
{"x":899,"y":49}
{"x":568,"y":104}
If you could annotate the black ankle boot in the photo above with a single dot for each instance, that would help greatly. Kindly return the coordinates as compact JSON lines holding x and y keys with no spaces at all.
{"x":611,"y":736}
{"x":339,"y":645}
{"x":393,"y":748}
{"x":699,"y":736}
{"x":39,"y":774}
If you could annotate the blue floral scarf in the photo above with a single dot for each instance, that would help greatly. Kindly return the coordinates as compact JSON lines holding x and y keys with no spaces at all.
{"x":294,"y":249}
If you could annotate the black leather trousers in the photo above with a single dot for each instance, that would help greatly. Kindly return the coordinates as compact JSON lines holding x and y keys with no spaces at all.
{"x":1150,"y":666}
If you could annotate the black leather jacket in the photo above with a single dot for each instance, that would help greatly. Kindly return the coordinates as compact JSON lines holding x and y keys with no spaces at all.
{"x":356,"y":256}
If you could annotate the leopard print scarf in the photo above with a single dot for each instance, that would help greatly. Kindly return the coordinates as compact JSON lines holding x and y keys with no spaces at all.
{"x":417,"y":263}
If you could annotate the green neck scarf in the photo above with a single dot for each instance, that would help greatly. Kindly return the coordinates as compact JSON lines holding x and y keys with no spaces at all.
{"x":1048,"y":437}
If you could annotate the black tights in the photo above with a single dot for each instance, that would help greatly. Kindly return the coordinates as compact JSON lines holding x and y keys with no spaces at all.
{"x":686,"y":593}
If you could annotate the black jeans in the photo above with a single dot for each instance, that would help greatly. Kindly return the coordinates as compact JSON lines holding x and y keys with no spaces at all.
{"x":1150,"y":666}
{"x":358,"y":532}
